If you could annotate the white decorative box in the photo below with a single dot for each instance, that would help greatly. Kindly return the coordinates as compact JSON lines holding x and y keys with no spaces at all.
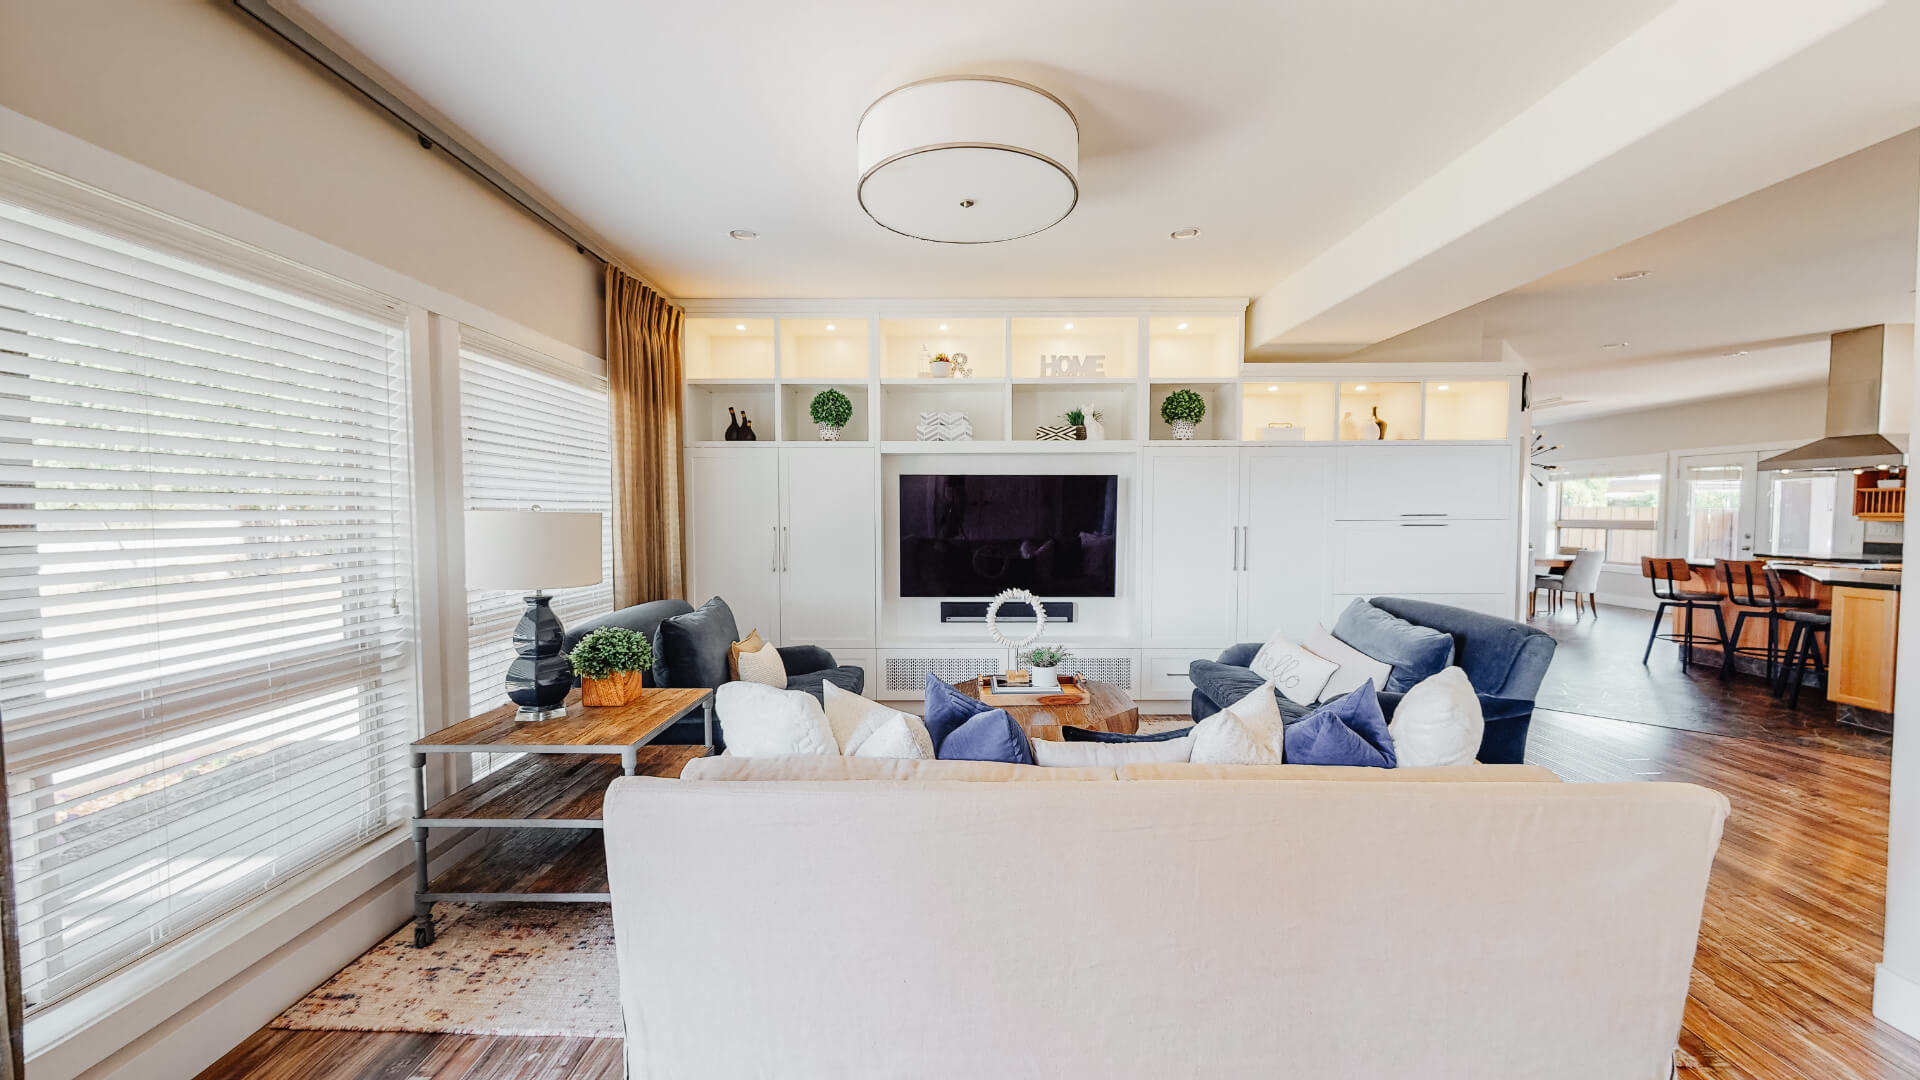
{"x":1281,"y":432}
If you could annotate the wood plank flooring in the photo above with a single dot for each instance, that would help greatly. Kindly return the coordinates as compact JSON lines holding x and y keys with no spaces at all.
{"x":1782,"y":984}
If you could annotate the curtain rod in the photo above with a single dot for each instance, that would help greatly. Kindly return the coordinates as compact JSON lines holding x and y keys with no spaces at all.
{"x":429,"y":134}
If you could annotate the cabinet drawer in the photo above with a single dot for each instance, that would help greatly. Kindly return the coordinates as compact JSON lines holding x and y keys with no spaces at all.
{"x":1394,"y":483}
{"x":1407,"y":558}
{"x":1165,"y":677}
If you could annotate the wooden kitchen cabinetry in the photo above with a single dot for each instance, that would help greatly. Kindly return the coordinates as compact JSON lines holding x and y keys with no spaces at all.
{"x":1864,"y":638}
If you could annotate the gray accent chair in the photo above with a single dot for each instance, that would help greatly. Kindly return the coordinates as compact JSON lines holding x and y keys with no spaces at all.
{"x":1503,"y":659}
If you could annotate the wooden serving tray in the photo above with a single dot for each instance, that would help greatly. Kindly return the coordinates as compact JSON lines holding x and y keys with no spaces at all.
{"x":1069,"y":694}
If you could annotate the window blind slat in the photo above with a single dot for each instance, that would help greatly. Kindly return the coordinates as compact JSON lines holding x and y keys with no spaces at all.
{"x":207,"y":618}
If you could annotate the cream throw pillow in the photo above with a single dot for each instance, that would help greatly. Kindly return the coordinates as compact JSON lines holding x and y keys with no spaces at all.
{"x":1353,"y":667}
{"x":1247,"y":732}
{"x":864,"y":728}
{"x":761,"y":721}
{"x":756,"y":661}
{"x":1099,"y":755}
{"x":1438,"y":722}
{"x":1295,"y":670}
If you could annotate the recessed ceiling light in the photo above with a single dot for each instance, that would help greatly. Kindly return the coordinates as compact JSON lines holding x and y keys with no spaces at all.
{"x":1361,"y":386}
{"x":1184,"y":234}
{"x":1273,"y":389}
{"x":943,"y":326}
{"x":1442,"y":386}
{"x":739,"y":326}
{"x":1182,"y":326}
{"x":1615,"y":345}
{"x":1631,"y":275}
{"x":744,"y":234}
{"x":829,"y":328}
{"x":1069,"y":326}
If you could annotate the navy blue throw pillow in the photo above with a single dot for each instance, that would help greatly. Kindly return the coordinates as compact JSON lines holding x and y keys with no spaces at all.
{"x":947,"y":709}
{"x":1080,"y":734}
{"x":1349,"y":730}
{"x":988,"y":736}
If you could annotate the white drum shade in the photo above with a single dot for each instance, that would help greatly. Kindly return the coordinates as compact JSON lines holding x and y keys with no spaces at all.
{"x":532,"y":549}
{"x":969,"y":159}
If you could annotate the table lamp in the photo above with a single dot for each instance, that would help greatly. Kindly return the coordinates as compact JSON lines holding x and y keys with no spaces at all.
{"x":535,"y":550}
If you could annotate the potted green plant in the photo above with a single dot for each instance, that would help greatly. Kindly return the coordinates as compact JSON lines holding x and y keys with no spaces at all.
{"x":830,"y":409}
{"x":1077,"y":419}
{"x":1182,"y":409}
{"x":611,"y":663}
{"x":941,"y":366}
{"x":1044,"y":662}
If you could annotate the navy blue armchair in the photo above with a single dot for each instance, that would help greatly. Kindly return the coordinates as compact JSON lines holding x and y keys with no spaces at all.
{"x":1503,"y":659}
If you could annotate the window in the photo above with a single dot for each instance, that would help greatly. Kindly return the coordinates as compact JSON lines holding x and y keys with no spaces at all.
{"x":1617,"y":514}
{"x":530,"y":436}
{"x":207,"y":667}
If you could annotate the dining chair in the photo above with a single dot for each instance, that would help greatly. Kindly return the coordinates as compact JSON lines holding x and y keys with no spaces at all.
{"x":1666,"y":576}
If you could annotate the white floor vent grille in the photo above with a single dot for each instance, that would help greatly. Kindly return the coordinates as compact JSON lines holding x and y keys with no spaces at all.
{"x":908,"y":674}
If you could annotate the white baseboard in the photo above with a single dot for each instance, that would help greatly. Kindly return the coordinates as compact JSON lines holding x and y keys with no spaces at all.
{"x":1896,"y":1000}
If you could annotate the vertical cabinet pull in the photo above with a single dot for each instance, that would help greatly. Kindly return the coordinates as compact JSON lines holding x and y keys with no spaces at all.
{"x":776,"y":549}
{"x":786,"y":547}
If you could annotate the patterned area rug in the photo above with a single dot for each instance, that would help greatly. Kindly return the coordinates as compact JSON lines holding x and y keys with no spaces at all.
{"x":494,"y":969}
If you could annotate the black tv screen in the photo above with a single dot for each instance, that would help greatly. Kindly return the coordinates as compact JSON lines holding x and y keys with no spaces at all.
{"x":975,"y":535}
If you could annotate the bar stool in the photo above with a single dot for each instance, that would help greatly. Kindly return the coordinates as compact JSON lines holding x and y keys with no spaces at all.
{"x":1666,"y":576}
{"x":1755,"y":590}
{"x":1803,"y":653}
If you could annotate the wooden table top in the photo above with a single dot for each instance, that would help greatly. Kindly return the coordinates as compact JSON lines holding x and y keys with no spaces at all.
{"x":1554,"y":562}
{"x":1108,"y":708}
{"x":605,"y":730}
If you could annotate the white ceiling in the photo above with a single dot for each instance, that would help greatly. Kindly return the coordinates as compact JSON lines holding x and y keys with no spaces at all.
{"x":1274,"y":127}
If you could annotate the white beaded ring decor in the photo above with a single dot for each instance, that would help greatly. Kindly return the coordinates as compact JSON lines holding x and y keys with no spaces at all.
{"x":1017,"y":596}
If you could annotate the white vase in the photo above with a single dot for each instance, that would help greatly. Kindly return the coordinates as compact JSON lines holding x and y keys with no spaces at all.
{"x":1095,"y":429}
{"x":829,"y":433}
{"x":1182,"y":429}
{"x":1349,"y":430}
{"x":941,"y":369}
{"x":1045,"y":678}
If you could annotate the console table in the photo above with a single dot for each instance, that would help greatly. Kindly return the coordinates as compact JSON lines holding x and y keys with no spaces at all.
{"x":550,"y":797}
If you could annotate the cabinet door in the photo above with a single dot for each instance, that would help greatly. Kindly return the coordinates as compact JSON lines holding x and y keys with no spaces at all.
{"x":733,"y":533}
{"x":831,"y":496}
{"x":1284,"y":495}
{"x":1423,"y":558}
{"x":1192,"y":516}
{"x":1394,"y":483}
{"x":1861,"y":643}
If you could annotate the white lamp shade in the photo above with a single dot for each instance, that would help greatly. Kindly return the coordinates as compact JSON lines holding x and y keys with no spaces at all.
{"x":970,"y":159}
{"x":532,"y":549}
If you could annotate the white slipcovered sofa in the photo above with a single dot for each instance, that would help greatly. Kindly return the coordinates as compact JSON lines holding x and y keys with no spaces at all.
{"x":907,"y":919}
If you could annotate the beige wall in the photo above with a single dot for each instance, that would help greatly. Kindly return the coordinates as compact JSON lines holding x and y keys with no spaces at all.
{"x":196,"y":90}
{"x":1787,"y":417}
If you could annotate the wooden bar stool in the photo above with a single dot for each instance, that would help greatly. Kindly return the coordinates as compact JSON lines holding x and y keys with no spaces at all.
{"x":1666,"y":576}
{"x":1803,"y":653}
{"x":1756,"y":593}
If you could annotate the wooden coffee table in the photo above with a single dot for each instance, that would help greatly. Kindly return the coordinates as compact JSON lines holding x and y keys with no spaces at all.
{"x":550,"y":797}
{"x":1108,"y":708}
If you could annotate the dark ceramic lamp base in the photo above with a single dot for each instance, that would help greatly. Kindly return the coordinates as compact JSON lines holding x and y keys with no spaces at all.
{"x":540,"y":677}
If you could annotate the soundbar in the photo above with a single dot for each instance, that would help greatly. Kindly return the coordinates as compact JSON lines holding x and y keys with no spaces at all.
{"x":964,"y":611}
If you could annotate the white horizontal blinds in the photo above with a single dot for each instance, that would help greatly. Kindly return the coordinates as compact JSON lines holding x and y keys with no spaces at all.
{"x":530,"y":437}
{"x":206,"y":658}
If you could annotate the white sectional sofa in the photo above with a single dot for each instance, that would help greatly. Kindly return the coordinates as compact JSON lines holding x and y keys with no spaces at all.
{"x":943,"y":920}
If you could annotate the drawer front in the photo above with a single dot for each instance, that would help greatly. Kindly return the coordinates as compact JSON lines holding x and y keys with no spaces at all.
{"x":1404,"y":558}
{"x":1165,"y":677}
{"x":1394,"y":483}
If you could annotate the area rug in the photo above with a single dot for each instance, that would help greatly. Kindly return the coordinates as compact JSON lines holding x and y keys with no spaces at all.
{"x":494,"y":969}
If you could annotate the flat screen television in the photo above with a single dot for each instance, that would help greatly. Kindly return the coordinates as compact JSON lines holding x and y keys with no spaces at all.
{"x":975,"y":535}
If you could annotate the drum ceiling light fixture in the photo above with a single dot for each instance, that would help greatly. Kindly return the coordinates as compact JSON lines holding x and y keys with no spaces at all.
{"x":968,"y":159}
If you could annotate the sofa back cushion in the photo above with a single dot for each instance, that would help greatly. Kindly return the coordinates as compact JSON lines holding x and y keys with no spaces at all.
{"x":1502,"y":658}
{"x":1414,"y":652}
{"x":1450,"y":773}
{"x":1110,"y":755}
{"x":640,"y":618}
{"x":690,"y":650}
{"x":728,"y":767}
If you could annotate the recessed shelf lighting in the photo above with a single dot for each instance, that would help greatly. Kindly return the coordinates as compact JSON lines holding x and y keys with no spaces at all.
{"x":1069,"y":326}
{"x":1360,"y":387}
{"x":829,"y":328}
{"x":739,"y":326}
{"x":1184,"y":234}
{"x":1442,"y":386}
{"x":1615,"y":345}
{"x":1631,"y":275}
{"x":1273,"y":389}
{"x":744,"y":234}
{"x":1182,"y":326}
{"x":1741,"y":352}
{"x":943,"y":326}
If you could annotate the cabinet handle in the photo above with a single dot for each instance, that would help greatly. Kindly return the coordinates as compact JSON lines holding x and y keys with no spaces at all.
{"x":1246,"y":548}
{"x":786,"y":547}
{"x":1424,"y":514}
{"x":1423,"y":524}
{"x":776,"y":549}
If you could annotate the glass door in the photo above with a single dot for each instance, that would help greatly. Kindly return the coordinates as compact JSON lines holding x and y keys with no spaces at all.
{"x":1717,"y":506}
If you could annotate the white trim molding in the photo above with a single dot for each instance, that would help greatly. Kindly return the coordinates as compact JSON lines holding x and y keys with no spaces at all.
{"x":1896,"y":1000}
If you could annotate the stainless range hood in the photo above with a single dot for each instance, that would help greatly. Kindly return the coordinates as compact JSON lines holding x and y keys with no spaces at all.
{"x":1867,"y":398}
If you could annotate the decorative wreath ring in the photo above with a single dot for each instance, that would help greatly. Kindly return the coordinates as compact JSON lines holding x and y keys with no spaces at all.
{"x":1019,"y":596}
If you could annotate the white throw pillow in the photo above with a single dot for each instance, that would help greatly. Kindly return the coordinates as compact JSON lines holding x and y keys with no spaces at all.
{"x":1104,"y":755}
{"x":1353,"y":669}
{"x":1438,"y":722}
{"x":1247,"y":732}
{"x":864,"y":728}
{"x":1296,"y":671}
{"x":760,"y":721}
{"x":762,"y":665}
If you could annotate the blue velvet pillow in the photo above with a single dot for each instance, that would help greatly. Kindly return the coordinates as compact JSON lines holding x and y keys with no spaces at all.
{"x":947,"y":709}
{"x":1080,"y":734}
{"x":987,"y":736}
{"x":1413,"y":652}
{"x":1349,"y":730}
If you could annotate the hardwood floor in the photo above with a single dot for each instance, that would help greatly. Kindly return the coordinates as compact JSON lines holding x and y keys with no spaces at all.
{"x":1782,"y":984}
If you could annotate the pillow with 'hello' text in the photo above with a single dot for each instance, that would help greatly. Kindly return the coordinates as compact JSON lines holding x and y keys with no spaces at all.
{"x":1292,"y":669}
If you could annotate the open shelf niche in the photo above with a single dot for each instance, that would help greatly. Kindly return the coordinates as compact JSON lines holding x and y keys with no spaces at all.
{"x":1037,"y":403}
{"x":1220,"y":422}
{"x":1115,"y":342}
{"x":1184,"y":347}
{"x":728,"y":349}
{"x":1283,"y":412}
{"x":823,"y":349}
{"x":707,"y":403}
{"x":1397,"y":403}
{"x":906,"y":345}
{"x":796,"y":420}
{"x":1467,"y":410}
{"x":983,"y":400}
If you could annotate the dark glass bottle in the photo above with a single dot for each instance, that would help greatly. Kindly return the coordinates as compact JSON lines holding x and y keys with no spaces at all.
{"x":733,"y":427}
{"x":746,"y":428}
